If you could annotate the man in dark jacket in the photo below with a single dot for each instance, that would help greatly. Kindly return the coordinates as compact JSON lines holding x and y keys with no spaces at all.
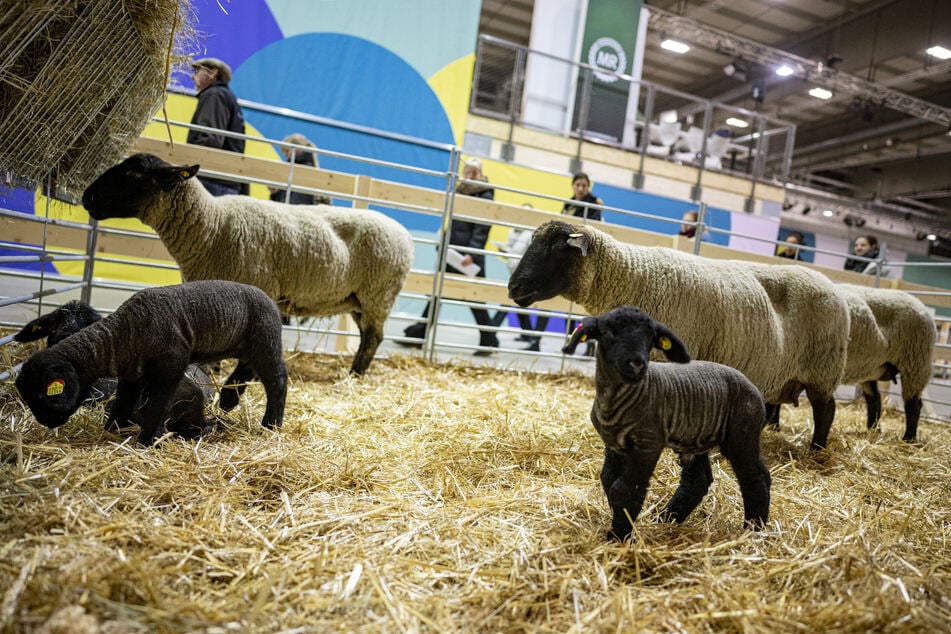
{"x":472,"y":235}
{"x":217,"y":108}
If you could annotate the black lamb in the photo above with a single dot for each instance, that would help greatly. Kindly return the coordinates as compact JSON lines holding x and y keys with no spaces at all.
{"x":148,"y":342}
{"x":640,"y":408}
{"x":187,"y":414}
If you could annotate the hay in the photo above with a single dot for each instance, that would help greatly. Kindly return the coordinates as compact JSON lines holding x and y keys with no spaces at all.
{"x":454,"y":498}
{"x":80,"y":80}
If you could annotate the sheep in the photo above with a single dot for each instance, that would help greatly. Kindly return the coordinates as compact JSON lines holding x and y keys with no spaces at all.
{"x":639,"y":409}
{"x":891,"y":333}
{"x":784,"y":327}
{"x":187,"y":414}
{"x":148,"y":342}
{"x":312,"y":260}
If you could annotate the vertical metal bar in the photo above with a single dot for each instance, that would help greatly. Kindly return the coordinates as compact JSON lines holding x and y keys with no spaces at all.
{"x":698,"y":236}
{"x":92,"y":241}
{"x":290,"y":175}
{"x":440,"y":272}
{"x":707,"y":119}
{"x":645,"y":135}
{"x":583,"y":115}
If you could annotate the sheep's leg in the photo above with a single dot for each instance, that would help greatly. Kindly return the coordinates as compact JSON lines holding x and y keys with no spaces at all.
{"x":873,"y":402}
{"x":235,"y":386}
{"x":371,"y":335}
{"x":123,"y":409}
{"x":912,"y":414}
{"x":772,"y":416}
{"x":274,"y":379}
{"x":823,"y":411}
{"x":626,"y":494}
{"x":162,"y":379}
{"x":695,"y":479}
{"x":754,"y":479}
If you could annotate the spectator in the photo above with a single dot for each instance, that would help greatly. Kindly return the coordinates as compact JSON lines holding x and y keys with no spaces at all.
{"x":866,"y":247}
{"x":217,"y":108}
{"x":791,"y":252}
{"x":581,"y":187}
{"x":298,"y":157}
{"x":686,"y":230}
{"x":472,"y":235}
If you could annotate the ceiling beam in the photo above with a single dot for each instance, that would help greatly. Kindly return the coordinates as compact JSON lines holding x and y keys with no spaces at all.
{"x":818,"y":73}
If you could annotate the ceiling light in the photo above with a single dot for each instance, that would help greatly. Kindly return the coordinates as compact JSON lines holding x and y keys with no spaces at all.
{"x":939,"y":51}
{"x":821,"y":93}
{"x":828,"y":213}
{"x":784,"y":71}
{"x":737,"y":123}
{"x":674,"y":46}
{"x":932,"y":237}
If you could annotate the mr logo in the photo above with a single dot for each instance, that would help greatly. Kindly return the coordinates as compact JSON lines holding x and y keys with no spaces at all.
{"x":606,"y":53}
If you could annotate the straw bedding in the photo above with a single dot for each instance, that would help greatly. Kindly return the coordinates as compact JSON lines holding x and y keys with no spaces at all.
{"x":439,"y":498}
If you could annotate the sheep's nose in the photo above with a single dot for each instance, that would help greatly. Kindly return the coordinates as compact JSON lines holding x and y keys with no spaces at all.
{"x":638,"y":367}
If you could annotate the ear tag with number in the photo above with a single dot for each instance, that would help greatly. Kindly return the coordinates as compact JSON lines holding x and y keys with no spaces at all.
{"x":55,"y":387}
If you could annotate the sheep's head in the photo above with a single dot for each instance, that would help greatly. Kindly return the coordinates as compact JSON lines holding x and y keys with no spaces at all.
{"x":550,"y":263}
{"x":51,"y":389}
{"x":69,"y":318}
{"x":125,"y":190}
{"x":626,"y":336}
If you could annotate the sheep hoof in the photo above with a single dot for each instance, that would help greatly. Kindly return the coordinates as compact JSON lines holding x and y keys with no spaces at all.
{"x":228,"y":399}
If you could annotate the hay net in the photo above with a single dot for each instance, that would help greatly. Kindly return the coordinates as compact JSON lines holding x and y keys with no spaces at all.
{"x":79,"y":81}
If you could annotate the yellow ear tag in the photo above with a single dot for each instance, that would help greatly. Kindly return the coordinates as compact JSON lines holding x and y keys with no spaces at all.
{"x":183,"y":173}
{"x":55,"y":387}
{"x":664,"y":343}
{"x":578,"y":327}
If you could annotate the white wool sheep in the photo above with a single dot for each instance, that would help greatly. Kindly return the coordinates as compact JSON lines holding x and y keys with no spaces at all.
{"x":312,"y":260}
{"x":784,"y":327}
{"x":892,"y":333}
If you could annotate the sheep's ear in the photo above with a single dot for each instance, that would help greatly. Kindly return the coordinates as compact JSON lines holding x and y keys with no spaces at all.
{"x":169,"y":176}
{"x":61,"y":386}
{"x":666,"y":341}
{"x":587,"y":329}
{"x":580,"y":241}
{"x":36,"y":329}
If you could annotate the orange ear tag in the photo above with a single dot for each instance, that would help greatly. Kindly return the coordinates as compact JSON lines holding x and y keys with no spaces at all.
{"x":664,"y":343}
{"x":55,"y":387}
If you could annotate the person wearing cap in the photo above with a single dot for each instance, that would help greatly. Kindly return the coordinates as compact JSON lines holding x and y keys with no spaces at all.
{"x":472,"y":235}
{"x":217,"y":108}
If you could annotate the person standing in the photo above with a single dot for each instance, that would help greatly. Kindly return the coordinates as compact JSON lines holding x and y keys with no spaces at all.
{"x":298,"y":157}
{"x":472,"y":235}
{"x":581,"y":191}
{"x":217,"y":108}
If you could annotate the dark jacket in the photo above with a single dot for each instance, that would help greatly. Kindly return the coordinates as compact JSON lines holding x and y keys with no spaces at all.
{"x":471,"y":234}
{"x":218,"y":108}
{"x":575,"y":210}
{"x":859,"y":266}
{"x":301,"y":198}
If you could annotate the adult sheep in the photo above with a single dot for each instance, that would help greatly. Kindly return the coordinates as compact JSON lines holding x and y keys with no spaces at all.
{"x":312,"y":260}
{"x":784,"y":327}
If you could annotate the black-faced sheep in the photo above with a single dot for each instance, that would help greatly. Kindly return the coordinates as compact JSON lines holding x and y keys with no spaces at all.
{"x":784,"y":327}
{"x":312,"y":260}
{"x":149,"y":341}
{"x":639,"y":409}
{"x":891,"y":334}
{"x":187,"y":413}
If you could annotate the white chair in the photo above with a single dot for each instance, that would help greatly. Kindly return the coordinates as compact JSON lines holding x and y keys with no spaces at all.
{"x":693,"y":140}
{"x":717,"y":145}
{"x":662,"y":136}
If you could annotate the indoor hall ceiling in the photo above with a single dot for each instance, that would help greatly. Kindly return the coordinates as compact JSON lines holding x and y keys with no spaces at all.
{"x":855,"y":144}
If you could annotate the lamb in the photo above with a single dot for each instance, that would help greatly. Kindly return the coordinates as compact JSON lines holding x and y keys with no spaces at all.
{"x":640,"y":408}
{"x":187,"y":414}
{"x":891,"y":334}
{"x":312,"y":260}
{"x":784,"y":327}
{"x":148,"y":342}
